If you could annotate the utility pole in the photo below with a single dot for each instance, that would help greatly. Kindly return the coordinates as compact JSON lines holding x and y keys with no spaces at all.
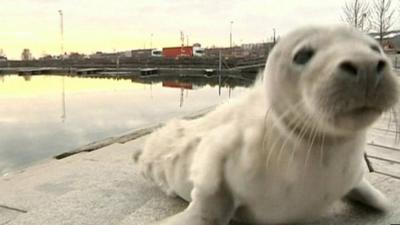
{"x":182,"y":39}
{"x":182,"y":42}
{"x":63,"y":105}
{"x":181,"y":98}
{"x":364,"y":16}
{"x":61,"y":32}
{"x":187,"y":40}
{"x":219,"y":72}
{"x":151,"y":41}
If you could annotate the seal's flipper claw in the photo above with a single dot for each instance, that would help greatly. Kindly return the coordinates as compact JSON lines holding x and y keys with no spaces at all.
{"x":366,"y":194}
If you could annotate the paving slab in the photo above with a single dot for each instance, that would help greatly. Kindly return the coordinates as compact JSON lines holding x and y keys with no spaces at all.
{"x":7,"y":215}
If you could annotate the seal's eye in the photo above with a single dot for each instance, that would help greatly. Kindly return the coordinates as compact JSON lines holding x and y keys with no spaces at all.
{"x":303,"y":56}
{"x":375,"y":48}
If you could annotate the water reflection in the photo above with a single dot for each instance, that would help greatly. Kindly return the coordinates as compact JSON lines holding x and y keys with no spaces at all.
{"x":27,"y":77}
{"x":63,"y":114}
{"x":180,"y":85}
{"x":42,"y":116}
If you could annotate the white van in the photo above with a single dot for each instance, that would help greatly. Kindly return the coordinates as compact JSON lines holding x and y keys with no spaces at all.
{"x":156,"y":53}
{"x":198,"y":51}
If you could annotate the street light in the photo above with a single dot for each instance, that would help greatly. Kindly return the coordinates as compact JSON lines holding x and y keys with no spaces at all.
{"x":364,"y":15}
{"x":151,"y":40}
{"x":63,"y":113}
{"x":62,"y":31}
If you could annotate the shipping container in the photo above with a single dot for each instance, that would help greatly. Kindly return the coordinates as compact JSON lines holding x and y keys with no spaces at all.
{"x":176,"y":84}
{"x":174,"y":52}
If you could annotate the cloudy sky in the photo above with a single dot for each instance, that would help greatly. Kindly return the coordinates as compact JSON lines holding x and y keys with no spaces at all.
{"x":105,"y":25}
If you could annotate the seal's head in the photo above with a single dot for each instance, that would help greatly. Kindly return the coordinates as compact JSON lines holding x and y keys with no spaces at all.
{"x":337,"y":79}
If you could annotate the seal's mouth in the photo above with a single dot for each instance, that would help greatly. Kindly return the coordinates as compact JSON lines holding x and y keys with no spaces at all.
{"x":357,"y":118}
{"x":363,"y":111}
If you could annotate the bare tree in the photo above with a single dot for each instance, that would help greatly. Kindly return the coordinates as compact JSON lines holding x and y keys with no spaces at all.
{"x":355,"y":14}
{"x":382,"y":17}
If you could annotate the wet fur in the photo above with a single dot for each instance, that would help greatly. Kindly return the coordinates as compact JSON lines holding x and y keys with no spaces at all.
{"x":282,"y":152}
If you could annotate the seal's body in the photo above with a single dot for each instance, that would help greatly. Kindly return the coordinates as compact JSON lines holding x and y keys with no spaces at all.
{"x":288,"y":148}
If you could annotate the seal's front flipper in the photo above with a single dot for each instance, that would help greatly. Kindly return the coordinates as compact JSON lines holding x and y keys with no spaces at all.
{"x":366,"y":194}
{"x":181,"y":218}
{"x":184,"y":218}
{"x":215,"y":209}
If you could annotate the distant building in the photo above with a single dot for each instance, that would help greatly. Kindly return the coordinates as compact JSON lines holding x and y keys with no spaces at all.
{"x":76,"y":55}
{"x":102,"y":55}
{"x":391,"y":40}
{"x":140,"y":53}
{"x":26,"y":54}
{"x":114,"y":55}
{"x":235,"y":51}
{"x":3,"y":59}
{"x":46,"y":57}
{"x":126,"y":53}
{"x":255,"y":50}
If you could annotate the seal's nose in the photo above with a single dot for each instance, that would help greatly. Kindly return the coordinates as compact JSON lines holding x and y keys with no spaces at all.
{"x":349,"y":68}
{"x":380,"y":66}
{"x":352,"y":69}
{"x":367,"y":71}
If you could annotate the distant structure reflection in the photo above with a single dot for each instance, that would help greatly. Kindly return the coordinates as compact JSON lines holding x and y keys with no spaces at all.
{"x":63,"y":107}
{"x":27,"y":77}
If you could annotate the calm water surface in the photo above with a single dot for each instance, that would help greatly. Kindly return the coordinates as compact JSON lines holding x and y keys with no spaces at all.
{"x":42,"y":116}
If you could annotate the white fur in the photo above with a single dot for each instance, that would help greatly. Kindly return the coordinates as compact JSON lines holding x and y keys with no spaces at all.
{"x":243,"y":161}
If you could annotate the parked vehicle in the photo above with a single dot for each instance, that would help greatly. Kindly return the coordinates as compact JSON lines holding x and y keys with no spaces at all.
{"x":156,"y":53}
{"x":198,"y":51}
{"x":3,"y":59}
{"x":183,"y":51}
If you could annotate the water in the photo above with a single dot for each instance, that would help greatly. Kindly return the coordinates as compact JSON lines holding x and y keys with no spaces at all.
{"x":42,"y":116}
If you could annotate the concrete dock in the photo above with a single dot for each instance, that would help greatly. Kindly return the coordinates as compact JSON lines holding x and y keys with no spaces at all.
{"x":102,"y":187}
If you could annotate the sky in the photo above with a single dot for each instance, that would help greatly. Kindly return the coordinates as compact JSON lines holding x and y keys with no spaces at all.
{"x":118,"y":25}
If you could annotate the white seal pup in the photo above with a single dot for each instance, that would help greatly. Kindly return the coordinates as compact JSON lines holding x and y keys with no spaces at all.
{"x":290,"y":147}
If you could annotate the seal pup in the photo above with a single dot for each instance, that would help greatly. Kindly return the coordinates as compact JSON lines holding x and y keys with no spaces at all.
{"x":291,"y":146}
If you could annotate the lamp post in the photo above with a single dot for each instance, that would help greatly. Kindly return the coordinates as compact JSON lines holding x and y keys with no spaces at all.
{"x":151,"y":41}
{"x":364,"y":15}
{"x":61,"y":31}
{"x":63,"y":105}
{"x":274,"y":38}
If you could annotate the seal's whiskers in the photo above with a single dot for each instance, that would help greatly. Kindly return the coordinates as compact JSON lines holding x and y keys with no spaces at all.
{"x":314,"y":133}
{"x":265,"y":129}
{"x":271,"y":148}
{"x":296,"y":125}
{"x":301,"y":135}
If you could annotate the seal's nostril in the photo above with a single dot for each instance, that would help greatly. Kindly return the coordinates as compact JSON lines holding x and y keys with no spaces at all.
{"x":349,"y":68}
{"x":381,"y":65}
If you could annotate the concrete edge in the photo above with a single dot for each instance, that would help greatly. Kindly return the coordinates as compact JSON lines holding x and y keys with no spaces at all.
{"x":129,"y":136}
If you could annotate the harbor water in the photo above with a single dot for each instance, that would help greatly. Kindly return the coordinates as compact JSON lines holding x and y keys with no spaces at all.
{"x":42,"y":116}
